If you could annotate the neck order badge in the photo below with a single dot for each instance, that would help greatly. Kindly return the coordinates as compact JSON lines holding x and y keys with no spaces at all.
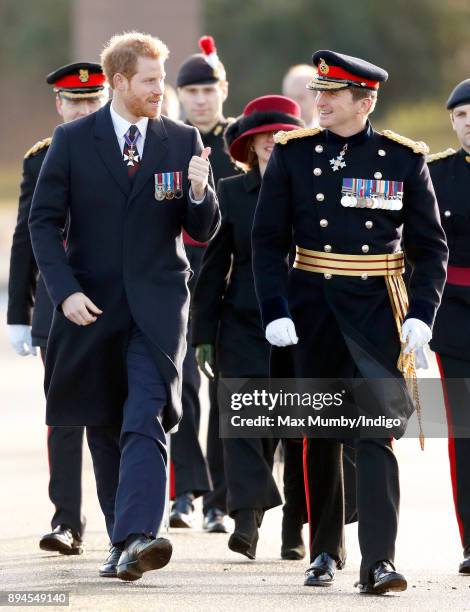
{"x":168,"y":185}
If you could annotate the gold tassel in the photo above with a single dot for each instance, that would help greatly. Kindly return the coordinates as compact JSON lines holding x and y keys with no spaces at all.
{"x":406,"y":363}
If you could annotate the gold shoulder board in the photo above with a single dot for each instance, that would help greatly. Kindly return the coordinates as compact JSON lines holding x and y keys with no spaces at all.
{"x":41,"y":144}
{"x":284,"y":137}
{"x":440,"y":155}
{"x":414,"y":145}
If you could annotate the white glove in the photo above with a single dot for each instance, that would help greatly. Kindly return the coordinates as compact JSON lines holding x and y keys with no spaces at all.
{"x":415,"y":333}
{"x":421,"y":359}
{"x":20,"y":339}
{"x":281,"y":332}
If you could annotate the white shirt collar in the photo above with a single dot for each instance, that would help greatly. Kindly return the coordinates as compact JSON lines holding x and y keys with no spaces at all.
{"x":121,"y":125}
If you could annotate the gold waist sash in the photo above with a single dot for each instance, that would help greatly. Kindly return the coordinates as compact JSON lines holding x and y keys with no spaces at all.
{"x":389,"y":265}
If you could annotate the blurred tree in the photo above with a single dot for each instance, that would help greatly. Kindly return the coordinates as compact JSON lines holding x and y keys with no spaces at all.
{"x":424,"y":44}
{"x":34,"y":36}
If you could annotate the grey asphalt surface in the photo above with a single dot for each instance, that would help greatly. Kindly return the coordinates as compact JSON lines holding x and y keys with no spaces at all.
{"x":203,"y":574}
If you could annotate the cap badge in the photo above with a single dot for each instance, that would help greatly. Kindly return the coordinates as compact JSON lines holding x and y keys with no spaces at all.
{"x":323,"y":66}
{"x":83,"y":75}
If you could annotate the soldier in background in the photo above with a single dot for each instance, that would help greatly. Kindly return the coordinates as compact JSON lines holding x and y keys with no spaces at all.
{"x":202,"y":90}
{"x":294,"y":85}
{"x":79,"y":90}
{"x":450,"y":173}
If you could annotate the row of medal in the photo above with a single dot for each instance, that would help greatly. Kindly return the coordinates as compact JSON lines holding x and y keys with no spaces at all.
{"x":372,"y":193}
{"x":168,"y":185}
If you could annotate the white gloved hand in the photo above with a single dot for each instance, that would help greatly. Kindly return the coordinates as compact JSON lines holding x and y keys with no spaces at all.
{"x":20,"y":339}
{"x":415,"y":333}
{"x":281,"y":332}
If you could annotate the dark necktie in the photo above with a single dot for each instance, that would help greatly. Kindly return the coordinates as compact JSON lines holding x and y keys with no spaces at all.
{"x":131,"y":154}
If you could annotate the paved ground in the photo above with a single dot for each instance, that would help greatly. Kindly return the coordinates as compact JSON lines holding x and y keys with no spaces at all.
{"x":204,"y":574}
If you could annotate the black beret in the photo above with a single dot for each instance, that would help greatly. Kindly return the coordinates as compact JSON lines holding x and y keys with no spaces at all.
{"x":460,"y":95}
{"x":197,"y":70}
{"x":337,"y":71}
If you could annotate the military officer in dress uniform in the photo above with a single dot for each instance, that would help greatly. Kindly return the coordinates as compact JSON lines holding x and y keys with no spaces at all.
{"x":348,"y":195}
{"x":202,"y":89}
{"x":80,"y":89}
{"x":450,"y":173}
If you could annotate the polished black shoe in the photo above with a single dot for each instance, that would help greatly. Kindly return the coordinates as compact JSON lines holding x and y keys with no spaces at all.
{"x":141,"y":555}
{"x":382,"y":579}
{"x":292,"y":547}
{"x":244,"y":539}
{"x":464,"y":567}
{"x":321,"y":572}
{"x":62,"y":540}
{"x":182,"y":511}
{"x":108,"y":569}
{"x":214,"y":521}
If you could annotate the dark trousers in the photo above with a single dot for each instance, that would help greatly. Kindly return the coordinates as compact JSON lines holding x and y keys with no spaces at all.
{"x":217,"y":498}
{"x":130,"y":462}
{"x":378,"y":497}
{"x":191,"y":474}
{"x":248,"y":473}
{"x":294,"y":483}
{"x":64,"y":451}
{"x":455,"y":375}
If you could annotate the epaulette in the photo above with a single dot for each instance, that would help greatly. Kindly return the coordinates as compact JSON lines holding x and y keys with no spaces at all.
{"x":415,"y":145}
{"x":440,"y":155}
{"x":284,"y":137}
{"x":41,"y":144}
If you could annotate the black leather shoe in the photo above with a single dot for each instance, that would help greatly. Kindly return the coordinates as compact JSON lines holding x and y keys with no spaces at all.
{"x":143,"y":554}
{"x":382,"y":579}
{"x":464,"y":567}
{"x":182,"y":512}
{"x":61,"y":540}
{"x":292,"y":547}
{"x":244,"y":539}
{"x":108,"y":569}
{"x":321,"y":572}
{"x":214,"y":521}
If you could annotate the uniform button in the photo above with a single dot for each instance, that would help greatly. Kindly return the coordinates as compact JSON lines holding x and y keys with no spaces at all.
{"x":327,"y":276}
{"x":369,"y":224}
{"x":323,"y":222}
{"x":365,"y":248}
{"x":327,"y":248}
{"x":319,"y":149}
{"x":447,"y":213}
{"x":381,"y":152}
{"x":364,"y":276}
{"x":317,"y":171}
{"x":378,"y":175}
{"x":320,"y":197}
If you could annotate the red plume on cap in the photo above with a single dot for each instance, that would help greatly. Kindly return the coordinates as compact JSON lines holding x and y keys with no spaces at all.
{"x":207,"y":46}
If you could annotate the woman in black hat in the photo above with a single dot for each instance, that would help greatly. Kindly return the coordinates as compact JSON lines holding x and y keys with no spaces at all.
{"x":226,"y":314}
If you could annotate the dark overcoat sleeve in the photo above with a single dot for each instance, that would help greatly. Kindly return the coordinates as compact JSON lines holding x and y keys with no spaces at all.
{"x":213,"y":277}
{"x":424,"y":244}
{"x":272,"y":238}
{"x":202,"y":220}
{"x":23,"y":268}
{"x":47,"y":220}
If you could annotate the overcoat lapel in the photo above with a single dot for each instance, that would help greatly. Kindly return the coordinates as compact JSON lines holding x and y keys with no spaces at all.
{"x":108,"y":148}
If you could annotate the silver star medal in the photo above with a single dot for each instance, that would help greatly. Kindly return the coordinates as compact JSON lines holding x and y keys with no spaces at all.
{"x":131,"y":157}
{"x":338,"y":162}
